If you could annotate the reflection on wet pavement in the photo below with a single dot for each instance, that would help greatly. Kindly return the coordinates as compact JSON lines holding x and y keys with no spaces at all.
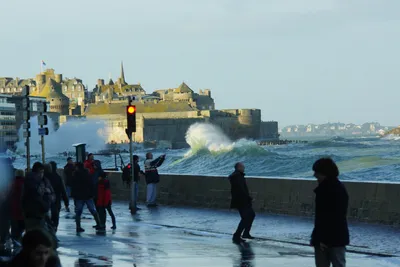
{"x":176,"y":237}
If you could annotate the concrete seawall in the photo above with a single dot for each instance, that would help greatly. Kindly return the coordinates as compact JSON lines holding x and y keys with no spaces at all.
{"x":371,"y":202}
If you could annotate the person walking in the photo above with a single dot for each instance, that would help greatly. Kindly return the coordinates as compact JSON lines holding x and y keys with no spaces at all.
{"x":103,"y":202}
{"x":242,"y":201}
{"x":82,"y":192}
{"x":37,"y":198}
{"x":17,"y":216}
{"x":152,"y":177}
{"x":60,"y":191}
{"x":69,"y":170}
{"x":331,"y":234}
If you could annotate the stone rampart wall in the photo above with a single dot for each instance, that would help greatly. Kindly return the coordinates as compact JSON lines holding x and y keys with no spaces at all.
{"x":369,"y":201}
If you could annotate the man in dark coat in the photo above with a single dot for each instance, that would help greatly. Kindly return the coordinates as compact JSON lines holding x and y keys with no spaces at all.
{"x":82,"y":192}
{"x":37,"y":198}
{"x":331,"y":234}
{"x":242,"y":201}
{"x":59,"y":188}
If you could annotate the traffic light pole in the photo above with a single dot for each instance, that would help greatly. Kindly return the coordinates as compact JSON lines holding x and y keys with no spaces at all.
{"x":43,"y":150}
{"x":42,"y":120}
{"x":26,"y":125}
{"x":133,"y":203}
{"x":28,"y":154}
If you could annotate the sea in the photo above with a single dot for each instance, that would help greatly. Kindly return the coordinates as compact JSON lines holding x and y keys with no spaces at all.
{"x":211,"y":152}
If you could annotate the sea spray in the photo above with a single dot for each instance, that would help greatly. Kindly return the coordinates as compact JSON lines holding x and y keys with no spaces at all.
{"x":211,"y":139}
{"x":90,"y":132}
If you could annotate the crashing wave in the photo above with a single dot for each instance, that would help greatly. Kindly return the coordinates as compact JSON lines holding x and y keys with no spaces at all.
{"x":209,"y":138}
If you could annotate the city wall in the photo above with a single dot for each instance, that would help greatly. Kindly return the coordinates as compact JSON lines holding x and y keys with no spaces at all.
{"x":371,"y":202}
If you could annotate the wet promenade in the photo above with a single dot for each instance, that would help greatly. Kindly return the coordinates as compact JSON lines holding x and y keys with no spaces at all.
{"x":167,"y":236}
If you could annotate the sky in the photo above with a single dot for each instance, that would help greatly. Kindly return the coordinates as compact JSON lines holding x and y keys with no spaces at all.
{"x":299,"y":61}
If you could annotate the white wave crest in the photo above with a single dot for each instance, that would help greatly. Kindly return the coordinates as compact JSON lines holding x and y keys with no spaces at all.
{"x":210,"y":137}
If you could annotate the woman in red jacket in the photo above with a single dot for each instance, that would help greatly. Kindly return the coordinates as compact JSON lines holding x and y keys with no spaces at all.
{"x":17,"y":217}
{"x":103,"y":202}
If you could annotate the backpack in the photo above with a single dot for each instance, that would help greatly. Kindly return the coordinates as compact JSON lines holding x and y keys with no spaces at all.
{"x":126,"y":175}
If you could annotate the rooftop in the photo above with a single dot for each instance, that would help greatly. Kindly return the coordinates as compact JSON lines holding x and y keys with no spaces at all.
{"x":119,"y":108}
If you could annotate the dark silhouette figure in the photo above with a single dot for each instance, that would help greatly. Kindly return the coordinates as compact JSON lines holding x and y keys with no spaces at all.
{"x":242,"y":201}
{"x":61,"y":193}
{"x":331,"y":234}
{"x":82,"y":192}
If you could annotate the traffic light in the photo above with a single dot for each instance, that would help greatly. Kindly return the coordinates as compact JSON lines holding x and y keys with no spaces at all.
{"x":131,"y":117}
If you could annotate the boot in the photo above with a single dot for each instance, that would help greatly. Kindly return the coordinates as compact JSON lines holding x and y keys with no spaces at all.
{"x":100,"y":226}
{"x":79,"y":229}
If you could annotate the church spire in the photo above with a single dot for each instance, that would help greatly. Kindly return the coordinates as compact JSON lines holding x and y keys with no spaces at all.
{"x":122,"y":78}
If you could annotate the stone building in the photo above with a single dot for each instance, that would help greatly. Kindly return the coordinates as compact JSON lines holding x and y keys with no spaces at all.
{"x":172,"y":120}
{"x":14,"y":86}
{"x":51,"y":90}
{"x":8,"y":130}
{"x":66,"y":96}
{"x":118,"y":91}
{"x":200,"y":101}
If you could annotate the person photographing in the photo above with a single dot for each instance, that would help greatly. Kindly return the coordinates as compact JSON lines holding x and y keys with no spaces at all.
{"x":152,"y":177}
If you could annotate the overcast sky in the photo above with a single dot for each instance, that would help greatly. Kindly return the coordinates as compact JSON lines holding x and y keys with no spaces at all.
{"x":300,"y":61}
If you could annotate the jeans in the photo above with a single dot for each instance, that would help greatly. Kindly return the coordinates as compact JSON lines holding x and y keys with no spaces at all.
{"x":103,"y":215}
{"x":334,"y":255}
{"x":68,"y":190}
{"x":151,"y":193}
{"x":247,"y":215}
{"x":80,"y":204}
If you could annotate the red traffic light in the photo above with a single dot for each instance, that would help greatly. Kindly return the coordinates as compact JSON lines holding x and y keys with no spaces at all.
{"x":131,"y":109}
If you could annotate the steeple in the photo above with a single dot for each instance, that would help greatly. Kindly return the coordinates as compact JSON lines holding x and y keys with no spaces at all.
{"x":122,"y":78}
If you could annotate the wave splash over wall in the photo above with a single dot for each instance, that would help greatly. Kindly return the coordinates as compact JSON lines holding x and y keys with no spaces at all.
{"x":90,"y":132}
{"x":206,"y":137}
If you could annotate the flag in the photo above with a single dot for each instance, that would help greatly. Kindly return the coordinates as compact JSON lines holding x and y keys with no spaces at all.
{"x":43,"y":63}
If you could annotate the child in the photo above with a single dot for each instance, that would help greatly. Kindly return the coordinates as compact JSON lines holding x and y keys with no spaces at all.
{"x":103,"y":202}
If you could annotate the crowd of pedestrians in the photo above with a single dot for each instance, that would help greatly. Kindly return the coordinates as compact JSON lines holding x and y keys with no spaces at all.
{"x":32,"y":202}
